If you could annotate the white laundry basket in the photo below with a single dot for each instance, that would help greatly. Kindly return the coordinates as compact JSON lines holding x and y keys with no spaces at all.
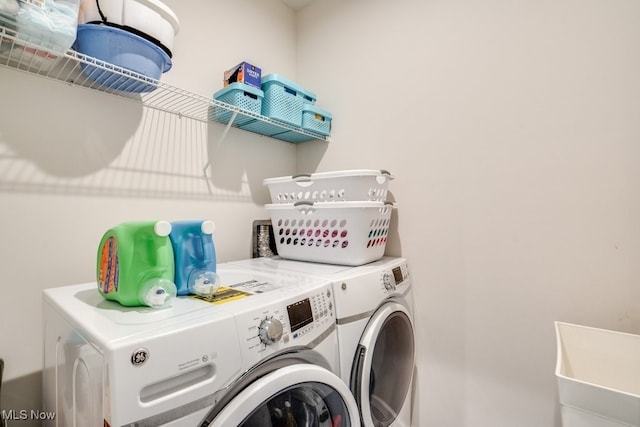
{"x":349,"y":185}
{"x":346,"y":233}
{"x":598,"y":374}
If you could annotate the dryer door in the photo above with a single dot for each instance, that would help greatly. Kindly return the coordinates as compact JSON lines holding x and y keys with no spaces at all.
{"x":383,"y":365}
{"x":294,"y":395}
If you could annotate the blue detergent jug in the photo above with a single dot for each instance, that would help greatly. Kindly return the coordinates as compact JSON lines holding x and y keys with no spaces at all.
{"x":195,"y":257}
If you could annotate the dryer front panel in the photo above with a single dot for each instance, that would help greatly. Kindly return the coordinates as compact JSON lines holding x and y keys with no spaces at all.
{"x":382,"y":370}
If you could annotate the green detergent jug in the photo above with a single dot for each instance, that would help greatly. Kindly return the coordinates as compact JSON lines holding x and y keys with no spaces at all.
{"x":136,"y":265}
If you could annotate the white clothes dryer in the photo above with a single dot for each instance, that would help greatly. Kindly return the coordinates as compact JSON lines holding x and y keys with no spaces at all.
{"x":374,"y":320}
{"x":262,"y":353}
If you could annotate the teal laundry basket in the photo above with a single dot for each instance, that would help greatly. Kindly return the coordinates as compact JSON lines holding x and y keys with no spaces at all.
{"x":284,"y":100}
{"x":240,"y":95}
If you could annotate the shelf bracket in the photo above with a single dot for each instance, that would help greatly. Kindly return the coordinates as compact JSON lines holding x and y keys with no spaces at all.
{"x":218,"y":144}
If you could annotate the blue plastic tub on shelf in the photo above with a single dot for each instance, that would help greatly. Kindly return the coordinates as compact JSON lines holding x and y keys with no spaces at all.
{"x":316,"y":119}
{"x":283,"y":99}
{"x":125,"y":50}
{"x":239,"y":95}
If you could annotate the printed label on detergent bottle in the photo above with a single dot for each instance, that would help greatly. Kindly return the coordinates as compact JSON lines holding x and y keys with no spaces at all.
{"x":136,"y":265}
{"x":195,"y":257}
{"x":108,"y":266}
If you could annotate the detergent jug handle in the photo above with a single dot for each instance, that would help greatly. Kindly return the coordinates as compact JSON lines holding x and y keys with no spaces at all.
{"x":208,"y":252}
{"x":160,"y":229}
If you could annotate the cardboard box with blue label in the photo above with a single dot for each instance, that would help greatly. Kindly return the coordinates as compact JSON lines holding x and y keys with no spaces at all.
{"x":244,"y":73}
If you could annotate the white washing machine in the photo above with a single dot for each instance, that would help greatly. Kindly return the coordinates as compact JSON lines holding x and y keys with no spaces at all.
{"x":374,"y":318}
{"x":263,"y":353}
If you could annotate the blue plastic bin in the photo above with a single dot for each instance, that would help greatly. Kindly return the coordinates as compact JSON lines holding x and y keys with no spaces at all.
{"x":284,"y":99}
{"x":316,"y":119}
{"x":122,"y":49}
{"x":239,"y":95}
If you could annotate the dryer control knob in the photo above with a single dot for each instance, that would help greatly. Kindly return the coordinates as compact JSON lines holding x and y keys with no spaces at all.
{"x":270,"y":331}
{"x":389,"y":285}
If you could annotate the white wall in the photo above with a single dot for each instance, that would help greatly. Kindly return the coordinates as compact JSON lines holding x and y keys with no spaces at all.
{"x":74,"y":162}
{"x":512,"y":128}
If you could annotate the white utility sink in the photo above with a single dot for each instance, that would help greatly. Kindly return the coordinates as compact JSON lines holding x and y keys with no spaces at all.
{"x":598,"y":373}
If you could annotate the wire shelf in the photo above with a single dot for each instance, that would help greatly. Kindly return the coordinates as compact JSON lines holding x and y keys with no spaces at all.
{"x":82,"y":70}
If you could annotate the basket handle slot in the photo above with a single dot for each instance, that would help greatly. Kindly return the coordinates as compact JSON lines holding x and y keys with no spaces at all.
{"x":290,"y":91}
{"x":301,"y":177}
{"x":304,"y":207}
{"x":251,"y":95}
{"x":303,"y":180}
{"x":384,"y":175}
{"x":302,"y":204}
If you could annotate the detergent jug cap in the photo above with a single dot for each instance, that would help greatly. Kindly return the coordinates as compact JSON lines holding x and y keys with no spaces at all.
{"x":204,"y":282}
{"x":162,"y":228}
{"x":158,"y":293}
{"x":208,"y":227}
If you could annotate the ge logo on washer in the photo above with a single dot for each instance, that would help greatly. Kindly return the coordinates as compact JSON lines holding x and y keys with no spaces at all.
{"x":139,"y":356}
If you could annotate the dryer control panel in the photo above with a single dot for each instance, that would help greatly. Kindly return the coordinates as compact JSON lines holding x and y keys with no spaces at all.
{"x":394,"y":278}
{"x":294,"y":319}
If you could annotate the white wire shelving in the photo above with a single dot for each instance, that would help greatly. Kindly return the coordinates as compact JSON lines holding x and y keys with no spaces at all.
{"x":77,"y":69}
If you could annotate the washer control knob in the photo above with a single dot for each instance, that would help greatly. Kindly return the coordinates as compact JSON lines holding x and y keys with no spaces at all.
{"x":389,"y":284}
{"x":270,"y":331}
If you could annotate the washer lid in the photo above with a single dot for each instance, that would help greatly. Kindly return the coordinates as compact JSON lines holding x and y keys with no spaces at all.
{"x":299,"y":394}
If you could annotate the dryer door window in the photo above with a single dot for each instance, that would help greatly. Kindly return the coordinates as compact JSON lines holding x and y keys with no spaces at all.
{"x":383,"y":365}
{"x":298,"y":395}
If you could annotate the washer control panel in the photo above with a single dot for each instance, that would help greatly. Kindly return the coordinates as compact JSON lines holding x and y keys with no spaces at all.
{"x":306,"y":314}
{"x":296,"y":320}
